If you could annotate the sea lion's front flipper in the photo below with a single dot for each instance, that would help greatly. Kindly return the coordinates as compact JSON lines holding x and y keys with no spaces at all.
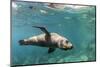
{"x":43,"y":29}
{"x":50,"y":50}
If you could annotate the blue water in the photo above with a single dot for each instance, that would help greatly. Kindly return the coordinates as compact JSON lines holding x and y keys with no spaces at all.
{"x":78,"y":25}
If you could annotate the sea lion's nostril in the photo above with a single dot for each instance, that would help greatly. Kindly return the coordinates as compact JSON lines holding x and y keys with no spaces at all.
{"x":21,"y":42}
{"x":71,"y":47}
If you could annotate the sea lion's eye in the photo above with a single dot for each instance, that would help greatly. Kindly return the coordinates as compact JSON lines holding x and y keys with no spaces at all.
{"x":67,"y":41}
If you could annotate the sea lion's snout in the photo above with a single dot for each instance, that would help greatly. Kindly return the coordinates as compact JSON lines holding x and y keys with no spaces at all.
{"x":67,"y":48}
{"x":67,"y":45}
{"x":21,"y":42}
{"x":70,"y":46}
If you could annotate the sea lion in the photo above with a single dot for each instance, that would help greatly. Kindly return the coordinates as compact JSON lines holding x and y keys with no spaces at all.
{"x":49,"y":40}
{"x":56,"y":5}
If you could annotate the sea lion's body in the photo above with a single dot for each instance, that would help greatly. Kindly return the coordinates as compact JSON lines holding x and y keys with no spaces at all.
{"x":40,"y":40}
{"x":49,"y":40}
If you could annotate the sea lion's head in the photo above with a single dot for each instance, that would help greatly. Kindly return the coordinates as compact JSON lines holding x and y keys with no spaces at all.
{"x":65,"y":45}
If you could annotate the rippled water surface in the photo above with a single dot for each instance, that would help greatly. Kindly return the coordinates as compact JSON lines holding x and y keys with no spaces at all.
{"x":76,"y":24}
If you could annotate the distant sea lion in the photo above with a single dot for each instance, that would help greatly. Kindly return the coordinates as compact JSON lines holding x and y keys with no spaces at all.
{"x":56,"y":5}
{"x":49,"y":40}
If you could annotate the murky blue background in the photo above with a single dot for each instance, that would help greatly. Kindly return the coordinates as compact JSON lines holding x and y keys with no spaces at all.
{"x":78,"y":25}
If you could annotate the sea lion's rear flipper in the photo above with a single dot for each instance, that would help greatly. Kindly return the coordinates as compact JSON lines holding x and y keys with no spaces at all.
{"x":50,"y":50}
{"x":43,"y":29}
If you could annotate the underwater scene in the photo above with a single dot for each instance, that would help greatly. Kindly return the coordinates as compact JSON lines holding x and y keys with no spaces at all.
{"x":77,"y":23}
